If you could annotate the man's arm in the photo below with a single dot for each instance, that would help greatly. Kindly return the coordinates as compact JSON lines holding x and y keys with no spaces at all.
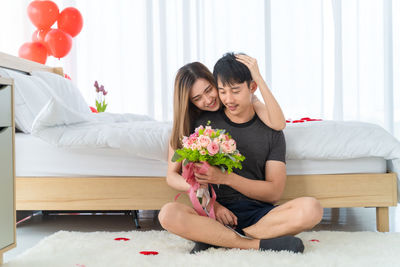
{"x":269,"y":190}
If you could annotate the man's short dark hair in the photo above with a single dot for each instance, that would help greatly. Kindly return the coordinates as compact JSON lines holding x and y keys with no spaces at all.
{"x":230,"y":71}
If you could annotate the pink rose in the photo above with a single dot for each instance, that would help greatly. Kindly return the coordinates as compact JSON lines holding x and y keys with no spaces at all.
{"x":213,"y":148}
{"x":194,"y":136}
{"x":195,"y":146}
{"x":226,"y":148}
{"x":232,"y":144}
{"x":203,"y":152}
{"x":208,"y":131}
{"x":189,"y":141}
{"x":185,"y":142}
{"x":204,"y":140}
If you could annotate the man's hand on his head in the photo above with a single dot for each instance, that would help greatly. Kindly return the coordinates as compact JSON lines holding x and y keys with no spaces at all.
{"x":250,"y":63}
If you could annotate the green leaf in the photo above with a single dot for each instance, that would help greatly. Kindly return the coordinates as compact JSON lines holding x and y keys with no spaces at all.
{"x":175,"y":157}
{"x":222,"y":168}
{"x":232,"y":158}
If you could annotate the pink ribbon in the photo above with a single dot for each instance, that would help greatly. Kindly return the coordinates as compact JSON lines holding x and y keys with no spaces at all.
{"x":188,"y":174}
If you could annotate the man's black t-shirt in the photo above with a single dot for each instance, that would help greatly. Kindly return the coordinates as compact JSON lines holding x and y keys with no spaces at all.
{"x":256,"y":141}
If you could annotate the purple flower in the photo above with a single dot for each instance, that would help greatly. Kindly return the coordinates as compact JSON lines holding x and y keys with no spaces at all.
{"x":105,"y":92}
{"x":101,"y":88}
{"x":96,"y":85}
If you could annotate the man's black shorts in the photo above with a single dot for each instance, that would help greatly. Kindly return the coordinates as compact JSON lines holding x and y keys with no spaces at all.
{"x":248,"y":212}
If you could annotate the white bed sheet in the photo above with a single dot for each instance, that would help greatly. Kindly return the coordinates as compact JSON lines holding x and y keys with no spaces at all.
{"x":35,"y":157}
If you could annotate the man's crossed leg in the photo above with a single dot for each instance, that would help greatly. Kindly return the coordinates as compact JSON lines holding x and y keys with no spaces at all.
{"x":272,"y":232}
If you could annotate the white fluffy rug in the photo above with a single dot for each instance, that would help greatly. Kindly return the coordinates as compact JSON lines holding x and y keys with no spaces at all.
{"x":76,"y":249}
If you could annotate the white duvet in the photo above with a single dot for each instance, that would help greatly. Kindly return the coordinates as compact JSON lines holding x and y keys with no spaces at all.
{"x":145,"y":137}
{"x":136,"y":134}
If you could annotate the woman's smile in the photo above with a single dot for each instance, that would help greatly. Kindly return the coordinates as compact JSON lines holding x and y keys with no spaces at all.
{"x":213,"y":104}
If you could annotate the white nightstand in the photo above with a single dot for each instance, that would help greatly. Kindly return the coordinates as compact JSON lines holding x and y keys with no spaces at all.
{"x":7,"y":168}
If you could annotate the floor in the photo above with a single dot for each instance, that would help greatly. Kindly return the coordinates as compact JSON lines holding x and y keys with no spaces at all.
{"x":32,"y":230}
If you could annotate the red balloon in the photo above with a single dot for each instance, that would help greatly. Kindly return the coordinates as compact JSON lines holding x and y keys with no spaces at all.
{"x":59,"y":43}
{"x":70,"y":21}
{"x":43,"y":14}
{"x":33,"y":51}
{"x":38,"y":36}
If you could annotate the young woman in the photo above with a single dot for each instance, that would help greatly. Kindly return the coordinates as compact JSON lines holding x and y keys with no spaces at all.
{"x":196,"y":91}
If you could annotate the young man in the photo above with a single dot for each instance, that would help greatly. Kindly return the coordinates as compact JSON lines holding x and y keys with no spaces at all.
{"x":245,"y":197}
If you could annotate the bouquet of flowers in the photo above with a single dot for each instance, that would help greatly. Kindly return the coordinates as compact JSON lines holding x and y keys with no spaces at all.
{"x":100,"y":97}
{"x":212,"y":147}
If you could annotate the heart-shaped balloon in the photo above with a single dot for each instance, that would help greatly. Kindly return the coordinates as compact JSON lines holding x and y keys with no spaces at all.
{"x":33,"y":51}
{"x":38,"y":36}
{"x":58,"y":42}
{"x":43,"y":14}
{"x":70,"y":21}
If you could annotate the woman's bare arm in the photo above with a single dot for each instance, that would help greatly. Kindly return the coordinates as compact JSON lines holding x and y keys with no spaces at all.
{"x":270,"y":112}
{"x":174,"y":178}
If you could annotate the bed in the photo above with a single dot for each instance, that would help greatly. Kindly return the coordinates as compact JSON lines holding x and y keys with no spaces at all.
{"x":358,"y":182}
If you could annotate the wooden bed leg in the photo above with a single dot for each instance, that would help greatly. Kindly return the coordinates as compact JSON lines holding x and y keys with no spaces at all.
{"x":382,"y":219}
{"x":1,"y":258}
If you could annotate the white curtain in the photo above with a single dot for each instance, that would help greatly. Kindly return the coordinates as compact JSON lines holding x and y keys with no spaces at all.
{"x":328,"y":59}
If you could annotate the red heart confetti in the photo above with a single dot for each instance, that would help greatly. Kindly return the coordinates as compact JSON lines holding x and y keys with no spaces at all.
{"x":121,"y":238}
{"x":149,"y":252}
{"x":305,"y":119}
{"x":314,"y":240}
{"x":80,"y":265}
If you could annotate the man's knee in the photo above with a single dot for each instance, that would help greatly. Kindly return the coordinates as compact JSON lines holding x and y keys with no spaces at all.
{"x":172,"y":216}
{"x":168,"y":215}
{"x":310,"y":212}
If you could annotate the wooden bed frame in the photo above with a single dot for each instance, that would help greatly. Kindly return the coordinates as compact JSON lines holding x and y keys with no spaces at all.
{"x":150,"y":193}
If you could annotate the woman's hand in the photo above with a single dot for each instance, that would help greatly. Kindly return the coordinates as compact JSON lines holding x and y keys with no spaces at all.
{"x":250,"y":63}
{"x":212,"y":176}
{"x":224,"y":216}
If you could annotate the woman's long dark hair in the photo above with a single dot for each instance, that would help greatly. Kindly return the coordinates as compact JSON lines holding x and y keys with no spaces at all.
{"x":185,"y":112}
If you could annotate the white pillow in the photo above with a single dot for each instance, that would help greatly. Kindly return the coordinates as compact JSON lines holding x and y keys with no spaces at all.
{"x":30,"y":96}
{"x":63,"y":90}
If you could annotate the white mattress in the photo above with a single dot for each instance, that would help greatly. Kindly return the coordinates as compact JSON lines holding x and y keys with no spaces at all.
{"x":35,"y":157}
